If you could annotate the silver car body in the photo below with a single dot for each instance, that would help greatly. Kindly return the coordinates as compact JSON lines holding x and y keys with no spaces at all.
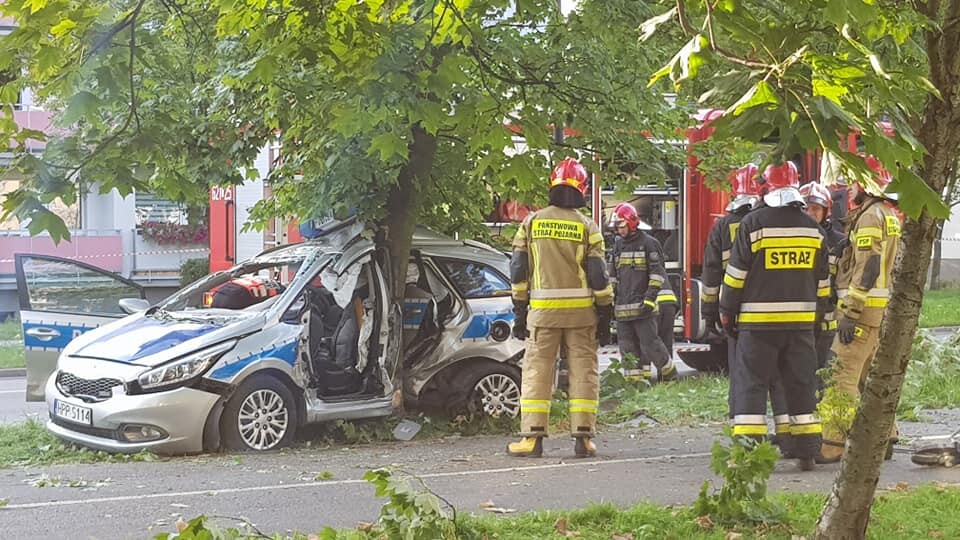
{"x":96,"y":396}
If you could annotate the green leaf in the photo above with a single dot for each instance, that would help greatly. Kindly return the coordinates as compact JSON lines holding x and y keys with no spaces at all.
{"x":35,"y":5}
{"x":761,"y":94}
{"x":63,"y":27}
{"x":389,"y":145}
{"x":431,"y":116}
{"x":831,"y":91}
{"x":82,"y":105}
{"x":265,"y":69}
{"x":916,"y":195}
{"x":649,"y":27}
{"x":44,"y":220}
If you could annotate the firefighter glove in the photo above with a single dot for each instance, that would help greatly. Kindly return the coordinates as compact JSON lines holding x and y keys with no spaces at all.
{"x":648,"y":307}
{"x":604,"y":319}
{"x":729,"y":323}
{"x":846,"y":330}
{"x":520,"y":321}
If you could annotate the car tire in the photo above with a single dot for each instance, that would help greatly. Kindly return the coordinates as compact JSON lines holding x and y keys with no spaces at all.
{"x":491,"y":389}
{"x":712,"y":361}
{"x":260,"y":416}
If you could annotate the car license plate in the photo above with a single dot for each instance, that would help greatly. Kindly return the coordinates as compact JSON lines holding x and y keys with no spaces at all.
{"x":73,"y":413}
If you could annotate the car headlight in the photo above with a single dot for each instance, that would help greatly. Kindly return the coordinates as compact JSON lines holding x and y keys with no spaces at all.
{"x":183,"y":369}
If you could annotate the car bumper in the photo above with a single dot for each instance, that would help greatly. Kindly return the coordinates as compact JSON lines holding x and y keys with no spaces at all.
{"x":181,"y":414}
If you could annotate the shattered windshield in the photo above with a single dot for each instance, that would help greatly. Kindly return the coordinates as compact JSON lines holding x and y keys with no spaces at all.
{"x":242,"y":291}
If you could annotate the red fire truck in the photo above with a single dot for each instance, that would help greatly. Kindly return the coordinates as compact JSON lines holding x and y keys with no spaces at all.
{"x":681,"y":211}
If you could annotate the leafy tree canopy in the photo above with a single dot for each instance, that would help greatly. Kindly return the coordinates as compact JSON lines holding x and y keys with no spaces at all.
{"x":806,"y":73}
{"x":176,"y":95}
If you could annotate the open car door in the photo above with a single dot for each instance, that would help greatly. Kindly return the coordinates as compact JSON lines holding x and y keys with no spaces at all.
{"x":59,"y":300}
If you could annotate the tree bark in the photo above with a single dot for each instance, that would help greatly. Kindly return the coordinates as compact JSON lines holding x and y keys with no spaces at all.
{"x":403,"y":204}
{"x":937,"y":258}
{"x":847,"y":511}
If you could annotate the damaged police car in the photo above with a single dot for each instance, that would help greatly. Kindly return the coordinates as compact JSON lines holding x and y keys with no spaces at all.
{"x":243,"y":358}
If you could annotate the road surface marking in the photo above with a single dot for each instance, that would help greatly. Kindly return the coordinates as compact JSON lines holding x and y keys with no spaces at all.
{"x":12,"y":391}
{"x":253,"y":489}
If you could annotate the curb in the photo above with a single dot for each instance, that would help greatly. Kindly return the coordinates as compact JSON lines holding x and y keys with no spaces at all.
{"x":13,"y":372}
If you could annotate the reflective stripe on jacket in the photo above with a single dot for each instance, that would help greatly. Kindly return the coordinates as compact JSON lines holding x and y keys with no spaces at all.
{"x":778,"y":275}
{"x":715,"y":257}
{"x":639,"y":273}
{"x":558,"y":267}
{"x":865,"y":268}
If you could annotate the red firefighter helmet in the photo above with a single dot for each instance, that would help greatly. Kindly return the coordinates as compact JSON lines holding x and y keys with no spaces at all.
{"x":570,"y":172}
{"x":745,"y":187}
{"x":816,"y":193}
{"x":745,"y":180}
{"x":882,"y":178}
{"x":626,"y":213}
{"x":780,"y":183}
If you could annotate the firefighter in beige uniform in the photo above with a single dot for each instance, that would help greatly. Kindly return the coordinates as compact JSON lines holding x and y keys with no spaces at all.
{"x":559,"y":277}
{"x":863,"y":281}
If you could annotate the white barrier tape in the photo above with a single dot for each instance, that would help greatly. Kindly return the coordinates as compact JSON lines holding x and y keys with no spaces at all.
{"x":112,"y":255}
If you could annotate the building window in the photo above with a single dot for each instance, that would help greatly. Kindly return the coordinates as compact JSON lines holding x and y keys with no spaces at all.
{"x":150,"y":207}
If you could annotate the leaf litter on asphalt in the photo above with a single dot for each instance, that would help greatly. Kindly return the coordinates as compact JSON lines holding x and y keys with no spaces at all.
{"x":57,"y":481}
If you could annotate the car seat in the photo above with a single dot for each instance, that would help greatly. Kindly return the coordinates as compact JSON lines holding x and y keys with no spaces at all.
{"x":335,"y":360}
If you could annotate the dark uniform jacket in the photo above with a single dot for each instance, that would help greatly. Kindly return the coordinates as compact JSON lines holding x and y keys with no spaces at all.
{"x":716,"y":256}
{"x":835,"y":242}
{"x":778,"y":275}
{"x":639,"y":273}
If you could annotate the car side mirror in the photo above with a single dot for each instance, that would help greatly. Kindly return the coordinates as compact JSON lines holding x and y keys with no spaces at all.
{"x":133,"y":305}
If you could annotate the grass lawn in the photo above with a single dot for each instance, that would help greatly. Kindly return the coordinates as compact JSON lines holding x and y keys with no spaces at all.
{"x":30,"y":444}
{"x":10,"y":330}
{"x":11,"y":356}
{"x":925,"y":512}
{"x":694,"y":400}
{"x":940,"y":308}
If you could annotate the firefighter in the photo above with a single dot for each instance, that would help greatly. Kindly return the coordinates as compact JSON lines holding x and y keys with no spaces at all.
{"x":863,"y":280}
{"x":818,"y":206}
{"x":561,"y":290}
{"x":819,"y":203}
{"x":717,"y":254}
{"x":771,"y":298}
{"x":639,"y":274}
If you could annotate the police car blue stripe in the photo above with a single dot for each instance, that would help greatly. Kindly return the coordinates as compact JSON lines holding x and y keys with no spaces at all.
{"x":286,"y":352}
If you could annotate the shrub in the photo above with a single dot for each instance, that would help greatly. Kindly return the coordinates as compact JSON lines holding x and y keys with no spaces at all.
{"x":193,"y":269}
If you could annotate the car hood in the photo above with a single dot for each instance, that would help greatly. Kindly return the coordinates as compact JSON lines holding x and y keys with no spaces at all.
{"x":149,"y":341}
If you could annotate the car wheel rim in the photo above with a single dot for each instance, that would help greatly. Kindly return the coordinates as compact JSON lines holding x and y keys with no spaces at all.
{"x":498,"y":395}
{"x":263,"y":419}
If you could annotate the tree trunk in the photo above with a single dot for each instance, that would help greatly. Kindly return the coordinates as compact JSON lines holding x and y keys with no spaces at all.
{"x":403,"y":204}
{"x":937,"y":257}
{"x":847,"y":512}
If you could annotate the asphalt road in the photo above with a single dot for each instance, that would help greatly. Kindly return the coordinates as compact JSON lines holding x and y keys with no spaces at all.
{"x":280,"y":492}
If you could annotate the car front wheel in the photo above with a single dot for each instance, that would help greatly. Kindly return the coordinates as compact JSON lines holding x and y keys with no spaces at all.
{"x":261,"y":415}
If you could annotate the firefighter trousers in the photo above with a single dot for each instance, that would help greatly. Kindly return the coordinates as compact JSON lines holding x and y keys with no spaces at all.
{"x":731,"y":359}
{"x":824,"y":353}
{"x":539,"y":371}
{"x":763,"y":358}
{"x":668,"y":313}
{"x":852,"y":364}
{"x":639,"y":338}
